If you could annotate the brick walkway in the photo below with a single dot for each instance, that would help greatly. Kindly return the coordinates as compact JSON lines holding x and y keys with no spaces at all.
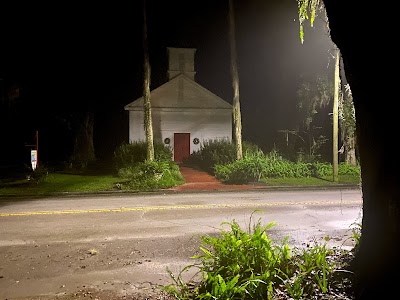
{"x":201,"y":181}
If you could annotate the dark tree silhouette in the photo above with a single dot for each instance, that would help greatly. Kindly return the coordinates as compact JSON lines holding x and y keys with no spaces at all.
{"x":366,"y":58}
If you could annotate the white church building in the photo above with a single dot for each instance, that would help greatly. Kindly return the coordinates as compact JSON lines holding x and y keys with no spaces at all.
{"x":184,"y":113}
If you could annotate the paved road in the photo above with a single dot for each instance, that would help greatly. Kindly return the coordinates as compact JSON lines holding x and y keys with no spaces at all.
{"x":57,"y":245}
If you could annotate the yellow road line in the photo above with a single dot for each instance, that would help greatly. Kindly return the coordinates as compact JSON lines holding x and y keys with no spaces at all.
{"x":149,"y":208}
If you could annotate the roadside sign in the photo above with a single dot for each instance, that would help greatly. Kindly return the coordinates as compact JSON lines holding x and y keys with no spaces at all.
{"x":34,"y":159}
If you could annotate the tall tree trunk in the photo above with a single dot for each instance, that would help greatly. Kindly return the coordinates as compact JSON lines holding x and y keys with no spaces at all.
{"x":148,"y":125}
{"x":350,"y":150}
{"x":83,"y":144}
{"x":237,"y":118}
{"x":335,"y":149}
{"x":347,"y":124}
{"x":377,"y":263}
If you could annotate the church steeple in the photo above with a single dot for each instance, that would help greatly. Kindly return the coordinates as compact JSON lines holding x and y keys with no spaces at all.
{"x":181,"y":61}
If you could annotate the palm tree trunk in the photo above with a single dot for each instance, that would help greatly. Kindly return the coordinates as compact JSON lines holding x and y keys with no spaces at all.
{"x":237,"y":119}
{"x":148,"y":125}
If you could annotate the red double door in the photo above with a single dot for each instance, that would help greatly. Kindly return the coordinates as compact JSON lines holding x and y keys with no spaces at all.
{"x":181,"y":146}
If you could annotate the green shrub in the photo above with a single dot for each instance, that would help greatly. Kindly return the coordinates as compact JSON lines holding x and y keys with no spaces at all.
{"x":38,"y":175}
{"x":346,"y":169}
{"x":301,"y":169}
{"x":255,"y":166}
{"x":211,"y":153}
{"x":326,"y":169}
{"x":129,"y":155}
{"x":249,"y":169}
{"x":218,"y":152}
{"x":218,"y":158}
{"x":322,"y":169}
{"x":278,"y":169}
{"x":150,"y":176}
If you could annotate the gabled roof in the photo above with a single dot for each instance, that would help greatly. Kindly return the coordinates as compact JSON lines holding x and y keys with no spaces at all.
{"x":181,"y":92}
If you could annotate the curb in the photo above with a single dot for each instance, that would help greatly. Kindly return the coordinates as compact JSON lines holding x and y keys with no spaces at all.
{"x":172,"y":191}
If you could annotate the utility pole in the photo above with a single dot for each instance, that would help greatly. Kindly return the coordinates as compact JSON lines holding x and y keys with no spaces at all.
{"x":335,"y":143}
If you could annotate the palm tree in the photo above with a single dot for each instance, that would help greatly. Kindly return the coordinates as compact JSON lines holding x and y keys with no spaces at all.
{"x":148,"y":125}
{"x":237,"y":119}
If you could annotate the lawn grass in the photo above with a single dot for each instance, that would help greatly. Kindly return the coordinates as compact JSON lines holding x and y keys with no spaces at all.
{"x":58,"y":183}
{"x":312,"y":181}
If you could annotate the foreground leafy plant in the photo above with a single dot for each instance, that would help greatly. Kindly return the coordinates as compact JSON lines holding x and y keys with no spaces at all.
{"x":241,"y":264}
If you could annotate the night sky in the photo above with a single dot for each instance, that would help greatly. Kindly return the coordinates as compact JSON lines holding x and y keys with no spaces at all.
{"x":68,"y":57}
